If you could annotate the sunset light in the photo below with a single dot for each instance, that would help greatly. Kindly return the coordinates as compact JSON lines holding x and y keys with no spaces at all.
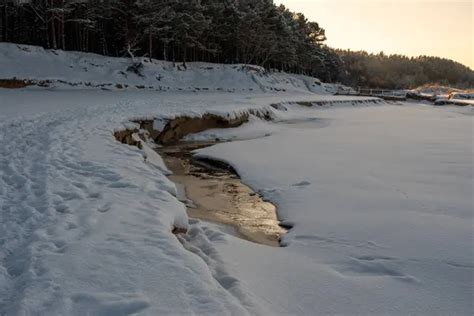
{"x":441,"y":28}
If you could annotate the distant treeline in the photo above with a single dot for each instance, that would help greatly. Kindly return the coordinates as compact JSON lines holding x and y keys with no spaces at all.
{"x":401,"y":72}
{"x":223,"y":31}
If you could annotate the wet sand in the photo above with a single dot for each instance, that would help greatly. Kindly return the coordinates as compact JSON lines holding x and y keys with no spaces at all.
{"x":213,"y":192}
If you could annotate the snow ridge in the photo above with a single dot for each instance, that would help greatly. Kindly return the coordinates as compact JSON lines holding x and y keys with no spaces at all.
{"x":77,"y":70}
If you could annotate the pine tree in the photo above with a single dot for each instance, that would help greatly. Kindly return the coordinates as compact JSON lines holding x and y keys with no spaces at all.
{"x":187,"y":27}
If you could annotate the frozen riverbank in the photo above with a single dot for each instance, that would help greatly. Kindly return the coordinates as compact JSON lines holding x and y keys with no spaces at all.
{"x":86,"y":224}
{"x":379,"y":197}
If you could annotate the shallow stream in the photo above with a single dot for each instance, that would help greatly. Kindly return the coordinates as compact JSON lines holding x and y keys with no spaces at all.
{"x":213,"y":191}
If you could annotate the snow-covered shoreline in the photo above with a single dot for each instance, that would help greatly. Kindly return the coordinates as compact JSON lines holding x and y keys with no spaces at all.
{"x":380,"y":203}
{"x":86,"y":223}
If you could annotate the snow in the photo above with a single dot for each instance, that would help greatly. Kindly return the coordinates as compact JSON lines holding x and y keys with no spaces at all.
{"x":77,"y":70}
{"x":380,"y":199}
{"x":85,"y":222}
{"x":379,"y":196}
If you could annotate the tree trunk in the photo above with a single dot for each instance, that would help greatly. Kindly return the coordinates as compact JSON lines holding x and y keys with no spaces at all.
{"x":104,"y":43}
{"x":184,"y":55}
{"x":174,"y":54}
{"x":45,"y":25}
{"x":5,"y":21}
{"x":150,"y":45}
{"x":87,"y":40}
{"x":53,"y":28}
{"x":81,"y":39}
{"x":63,"y":33}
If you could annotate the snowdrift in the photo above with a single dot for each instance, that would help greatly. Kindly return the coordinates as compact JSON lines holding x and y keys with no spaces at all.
{"x":23,"y":65}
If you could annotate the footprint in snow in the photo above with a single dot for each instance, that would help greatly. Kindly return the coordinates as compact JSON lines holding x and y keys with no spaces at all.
{"x":95,"y":195}
{"x":104,"y":208}
{"x":71,"y":226}
{"x":62,"y":208}
{"x":301,"y":184}
{"x":69,"y":196}
{"x":373,"y":266}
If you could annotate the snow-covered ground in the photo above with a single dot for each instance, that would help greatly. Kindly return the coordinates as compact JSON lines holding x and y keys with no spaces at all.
{"x":381,"y":202}
{"x":379,"y":197}
{"x":85,"y":222}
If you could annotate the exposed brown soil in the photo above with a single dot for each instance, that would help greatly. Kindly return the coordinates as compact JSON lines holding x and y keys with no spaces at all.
{"x":147,"y":125}
{"x":179,"y":127}
{"x":15,"y":83}
{"x":179,"y":231}
{"x":125,"y":137}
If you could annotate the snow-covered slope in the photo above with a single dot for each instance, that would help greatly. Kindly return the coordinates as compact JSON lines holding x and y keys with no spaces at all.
{"x":84,"y":70}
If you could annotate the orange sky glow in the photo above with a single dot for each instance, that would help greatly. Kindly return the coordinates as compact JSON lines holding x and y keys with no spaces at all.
{"x":441,"y":28}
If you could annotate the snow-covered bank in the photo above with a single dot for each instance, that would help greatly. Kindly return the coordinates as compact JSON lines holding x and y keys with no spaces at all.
{"x":85,"y":222}
{"x":76,"y":70}
{"x":380,"y":199}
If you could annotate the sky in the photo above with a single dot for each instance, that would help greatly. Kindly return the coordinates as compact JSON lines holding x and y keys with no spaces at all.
{"x":441,"y":28}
